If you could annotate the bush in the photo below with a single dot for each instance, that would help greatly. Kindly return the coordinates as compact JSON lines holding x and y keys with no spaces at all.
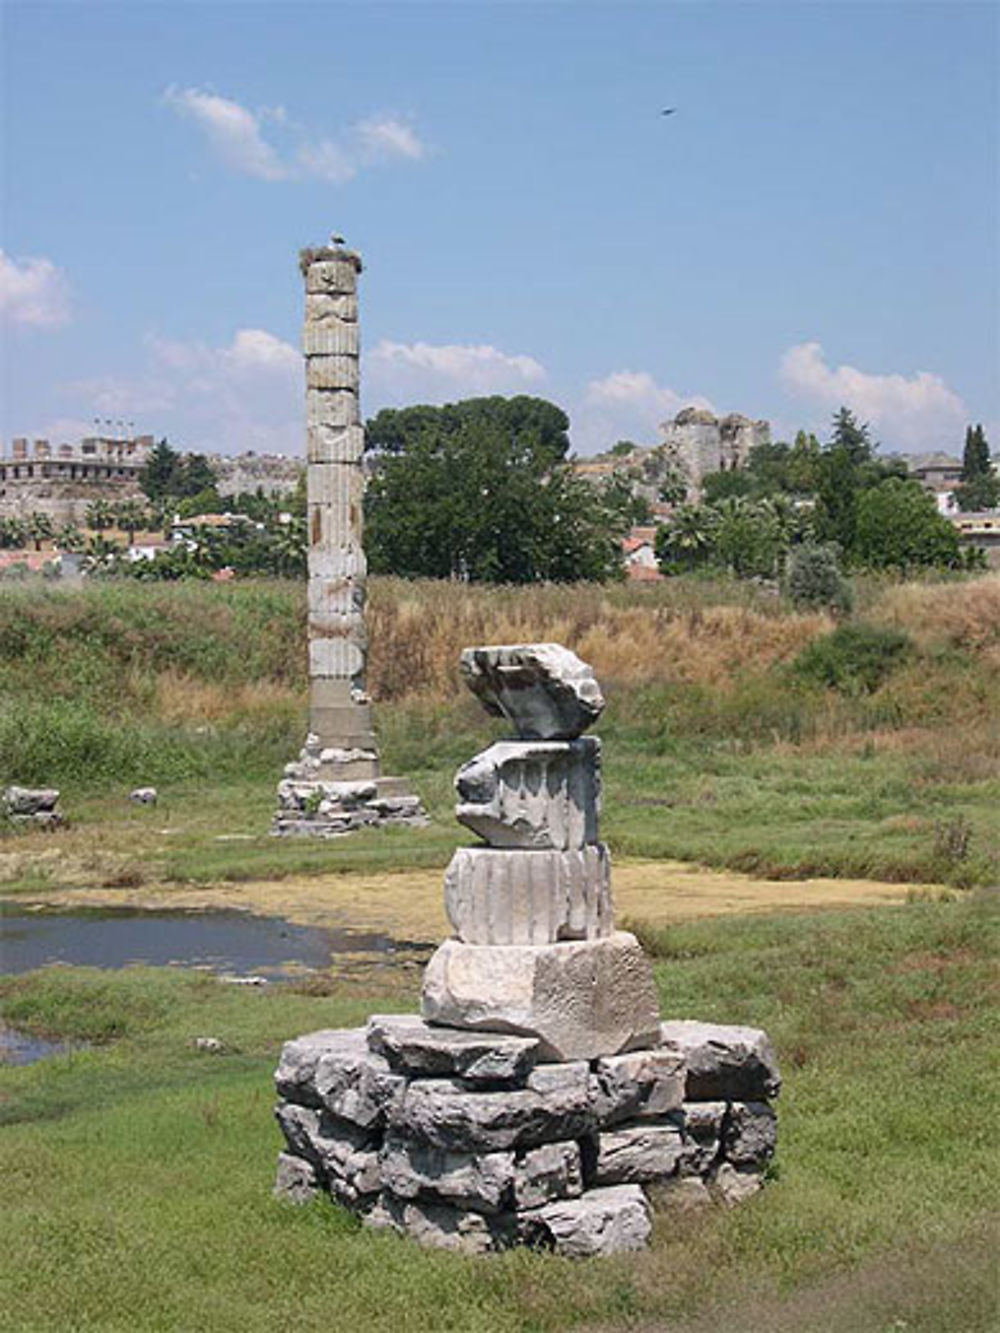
{"x":813,"y":579}
{"x":854,"y":659}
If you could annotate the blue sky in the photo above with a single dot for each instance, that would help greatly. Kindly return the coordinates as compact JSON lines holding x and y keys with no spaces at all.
{"x":816,"y":224}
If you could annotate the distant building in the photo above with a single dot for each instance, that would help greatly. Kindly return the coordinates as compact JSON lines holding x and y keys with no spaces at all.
{"x":62,"y":480}
{"x":938,"y":473}
{"x":980,"y":529}
{"x":700,"y":442}
{"x":639,"y":554}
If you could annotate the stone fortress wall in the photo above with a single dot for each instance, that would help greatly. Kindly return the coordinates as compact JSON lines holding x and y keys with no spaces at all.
{"x":700,"y":442}
{"x":61,"y":480}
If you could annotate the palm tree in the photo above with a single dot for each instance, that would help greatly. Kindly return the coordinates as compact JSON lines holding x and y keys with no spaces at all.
{"x":689,"y":538}
{"x":70,"y":538}
{"x":100,"y":552}
{"x":100,"y":516}
{"x":13,"y":533}
{"x":39,"y":528}
{"x":131,"y":516}
{"x":290,"y":547}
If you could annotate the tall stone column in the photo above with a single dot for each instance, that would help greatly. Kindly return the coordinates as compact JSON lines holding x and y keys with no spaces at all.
{"x":336,"y":784}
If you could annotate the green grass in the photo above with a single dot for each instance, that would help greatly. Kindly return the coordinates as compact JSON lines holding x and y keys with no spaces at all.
{"x":136,"y":1174}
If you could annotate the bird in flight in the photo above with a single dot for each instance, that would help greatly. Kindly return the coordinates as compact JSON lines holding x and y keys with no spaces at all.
{"x":336,"y":240}
{"x":669,"y":111}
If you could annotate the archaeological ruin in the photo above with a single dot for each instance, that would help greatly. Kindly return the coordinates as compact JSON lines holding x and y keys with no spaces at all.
{"x":336,"y":784}
{"x":538,"y":1098}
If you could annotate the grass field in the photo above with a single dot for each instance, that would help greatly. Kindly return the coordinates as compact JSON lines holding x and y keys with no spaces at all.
{"x":136,"y":1172}
{"x":719,"y":747}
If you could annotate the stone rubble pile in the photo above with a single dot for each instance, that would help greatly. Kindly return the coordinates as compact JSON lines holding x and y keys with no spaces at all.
{"x":33,"y":807}
{"x":537,"y":1096}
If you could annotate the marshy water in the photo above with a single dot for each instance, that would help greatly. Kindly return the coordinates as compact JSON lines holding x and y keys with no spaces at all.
{"x":225,"y":942}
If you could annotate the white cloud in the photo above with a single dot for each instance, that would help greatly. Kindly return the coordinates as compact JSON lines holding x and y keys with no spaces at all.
{"x":916,"y":412}
{"x":627,"y":404}
{"x":385,"y":136}
{"x":235,"y":134}
{"x":247,"y":394}
{"x":232,"y":130}
{"x":423,"y":372}
{"x":33,"y":291}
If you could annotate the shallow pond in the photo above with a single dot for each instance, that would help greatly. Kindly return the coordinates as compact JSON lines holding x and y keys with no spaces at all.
{"x":231,"y":942}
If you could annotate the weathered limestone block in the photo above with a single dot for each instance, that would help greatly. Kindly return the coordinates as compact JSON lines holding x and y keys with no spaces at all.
{"x":545,"y":690}
{"x":751,"y":1133}
{"x":297,"y":1180}
{"x":331,"y":308}
{"x":702,"y":1124}
{"x":339,"y":484}
{"x":582,"y":999}
{"x":639,"y":1152}
{"x":637,"y":1084}
{"x":336,"y":657}
{"x":732,"y":1184}
{"x":604,"y":1221}
{"x":30,"y":800}
{"x":333,"y":408}
{"x":332,"y":276}
{"x":440,"y":1226}
{"x":295,"y":1077}
{"x":495,"y":896}
{"x":327,"y":443}
{"x":345,"y":1155}
{"x":332,"y":372}
{"x":723,"y":1061}
{"x":335,"y":1068}
{"x":552,"y":1171}
{"x":330,"y":338}
{"x":533,"y":794}
{"x":414,"y":1047}
{"x":554,"y":1104}
{"x":481,"y":1181}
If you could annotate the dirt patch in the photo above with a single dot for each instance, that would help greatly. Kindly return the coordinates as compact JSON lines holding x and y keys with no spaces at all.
{"x":409,"y":904}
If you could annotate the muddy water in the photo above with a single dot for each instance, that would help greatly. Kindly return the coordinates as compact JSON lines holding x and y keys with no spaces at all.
{"x":226,"y":941}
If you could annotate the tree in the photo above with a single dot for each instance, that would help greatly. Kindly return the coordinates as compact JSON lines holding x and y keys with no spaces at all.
{"x":480,"y":490}
{"x":836,"y":498}
{"x":813,"y":578}
{"x":848,"y":434}
{"x":39,"y":528}
{"x":980,"y":487}
{"x":70,"y":538}
{"x":131,"y":516}
{"x":686,"y":542}
{"x":898,"y":527}
{"x":100,"y":515}
{"x":749,"y":540}
{"x":157,"y":476}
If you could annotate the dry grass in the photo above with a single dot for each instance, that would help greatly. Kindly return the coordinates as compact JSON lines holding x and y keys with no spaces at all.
{"x":958,"y":615}
{"x":182,"y":699}
{"x":418,"y":630}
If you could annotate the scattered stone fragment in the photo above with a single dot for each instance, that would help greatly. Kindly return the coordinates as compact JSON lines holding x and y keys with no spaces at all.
{"x":533,"y":794}
{"x":297,"y":1180}
{"x":30,"y":800}
{"x":582,"y":999}
{"x":519,"y":896}
{"x":646,"y":1150}
{"x":545,"y":690}
{"x":732,"y":1184}
{"x":601,"y":1222}
{"x":143,"y":796}
{"x":212,"y":1045}
{"x":750,"y":1134}
{"x":415,"y":1047}
{"x":723,"y":1061}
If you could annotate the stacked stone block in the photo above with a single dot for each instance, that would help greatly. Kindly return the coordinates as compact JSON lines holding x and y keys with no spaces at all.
{"x":538,"y":1097}
{"x":472,"y":1142}
{"x":335,"y":785}
{"x":32,"y":807}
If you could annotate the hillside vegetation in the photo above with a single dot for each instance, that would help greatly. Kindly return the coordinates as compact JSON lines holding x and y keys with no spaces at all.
{"x":738,"y":730}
